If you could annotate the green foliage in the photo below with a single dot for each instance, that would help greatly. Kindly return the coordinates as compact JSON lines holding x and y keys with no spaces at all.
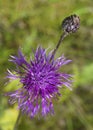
{"x":86,"y":75}
{"x":12,"y":85}
{"x":27,"y":24}
{"x":8,"y":119}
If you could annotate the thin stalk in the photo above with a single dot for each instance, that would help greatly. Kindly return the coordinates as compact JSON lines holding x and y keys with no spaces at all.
{"x":59,"y":42}
{"x":17,"y":121}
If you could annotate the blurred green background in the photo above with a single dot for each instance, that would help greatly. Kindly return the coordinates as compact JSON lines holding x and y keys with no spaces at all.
{"x":28,"y":23}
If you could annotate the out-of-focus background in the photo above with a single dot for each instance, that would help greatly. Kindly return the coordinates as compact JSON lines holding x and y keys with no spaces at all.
{"x":26,"y":24}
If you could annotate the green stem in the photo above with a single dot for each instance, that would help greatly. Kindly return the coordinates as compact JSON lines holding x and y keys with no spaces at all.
{"x":59,"y":42}
{"x":17,"y":121}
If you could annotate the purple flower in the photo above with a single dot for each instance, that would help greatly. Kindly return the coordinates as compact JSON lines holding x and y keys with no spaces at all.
{"x":40,"y":79}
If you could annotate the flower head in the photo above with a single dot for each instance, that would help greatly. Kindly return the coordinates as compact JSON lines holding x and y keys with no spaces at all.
{"x":40,"y":79}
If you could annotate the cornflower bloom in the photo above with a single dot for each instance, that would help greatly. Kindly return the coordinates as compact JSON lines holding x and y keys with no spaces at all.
{"x":40,"y":79}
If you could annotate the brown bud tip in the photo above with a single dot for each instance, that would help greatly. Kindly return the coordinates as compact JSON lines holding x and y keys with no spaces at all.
{"x":71,"y":24}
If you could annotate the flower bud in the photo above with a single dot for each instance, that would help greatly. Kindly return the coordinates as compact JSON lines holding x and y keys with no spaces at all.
{"x":71,"y":24}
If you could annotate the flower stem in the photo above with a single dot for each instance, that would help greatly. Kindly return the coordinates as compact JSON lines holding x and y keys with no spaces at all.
{"x":17,"y":121}
{"x":59,"y":42}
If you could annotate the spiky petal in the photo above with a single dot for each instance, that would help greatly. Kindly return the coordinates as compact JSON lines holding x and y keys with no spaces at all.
{"x":40,"y":79}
